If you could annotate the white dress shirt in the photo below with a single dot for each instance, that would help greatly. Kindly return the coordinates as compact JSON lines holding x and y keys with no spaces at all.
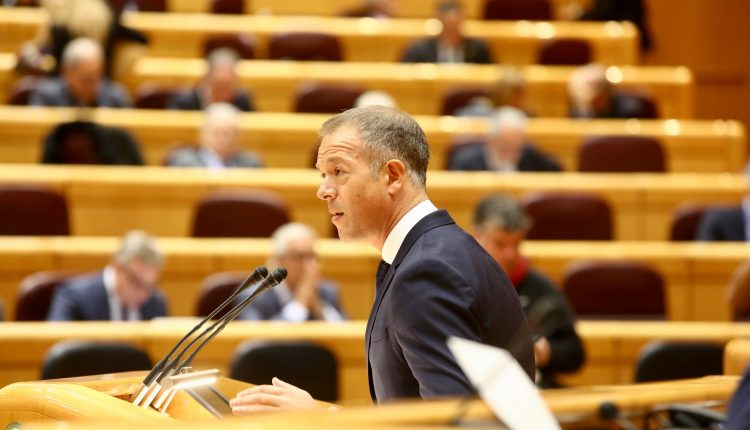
{"x":396,"y":237}
{"x":115,"y":304}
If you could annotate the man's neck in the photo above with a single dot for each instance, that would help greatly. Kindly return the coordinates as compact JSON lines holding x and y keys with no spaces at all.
{"x":401,"y":210}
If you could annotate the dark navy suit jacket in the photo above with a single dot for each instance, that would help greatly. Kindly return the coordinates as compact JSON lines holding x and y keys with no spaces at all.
{"x":473,"y":156}
{"x":269,"y":306}
{"x":727,"y":225}
{"x":426,"y":51}
{"x":85,"y":299}
{"x":441,"y":283}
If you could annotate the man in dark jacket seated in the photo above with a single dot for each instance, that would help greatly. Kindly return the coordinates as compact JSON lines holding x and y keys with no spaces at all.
{"x":124,"y":291}
{"x":81,"y":142}
{"x":592,"y":95}
{"x":500,"y":226}
{"x":507,"y":149}
{"x":450,"y":46}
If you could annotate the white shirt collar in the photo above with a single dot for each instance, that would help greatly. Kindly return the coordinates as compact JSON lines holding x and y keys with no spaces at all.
{"x":396,"y":237}
{"x":115,"y":307}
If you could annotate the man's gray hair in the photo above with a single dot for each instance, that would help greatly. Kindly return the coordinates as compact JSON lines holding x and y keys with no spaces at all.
{"x":507,"y":118}
{"x":501,"y":211}
{"x":386,"y":134}
{"x":284,"y":235}
{"x":222,"y":57}
{"x":137,"y":245}
{"x":220,"y":112}
{"x":80,"y":49}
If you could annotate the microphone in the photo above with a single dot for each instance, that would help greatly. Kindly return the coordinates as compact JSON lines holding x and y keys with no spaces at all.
{"x":258,"y":275}
{"x":608,"y":411}
{"x":177,"y":362}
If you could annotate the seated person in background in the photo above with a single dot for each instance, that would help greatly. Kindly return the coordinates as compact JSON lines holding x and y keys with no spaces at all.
{"x":593,"y":96}
{"x":508,"y":91}
{"x":373,"y":9}
{"x":304,"y":295}
{"x":219,"y":147}
{"x":613,"y":10}
{"x":500,"y":226}
{"x":450,"y":46}
{"x":81,"y":142}
{"x":507,"y":149}
{"x":219,"y":85}
{"x":81,"y":82}
{"x":375,"y":98}
{"x":124,"y":291}
{"x":725,"y":224}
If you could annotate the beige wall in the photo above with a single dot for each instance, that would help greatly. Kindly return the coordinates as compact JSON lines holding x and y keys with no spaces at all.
{"x":712,"y":38}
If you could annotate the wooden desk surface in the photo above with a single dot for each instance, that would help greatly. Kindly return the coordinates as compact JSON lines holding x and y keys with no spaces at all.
{"x":182,"y":35}
{"x":612,"y":347}
{"x":106,"y":201}
{"x":286,"y":140}
{"x":696,"y":275}
{"x":419,"y":88}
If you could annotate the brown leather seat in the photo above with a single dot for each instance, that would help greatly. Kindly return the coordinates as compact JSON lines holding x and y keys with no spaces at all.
{"x":738,"y":292}
{"x":304,"y":46}
{"x":31,"y":210}
{"x":242,"y":44}
{"x":246,"y":213}
{"x":568,"y":216}
{"x":533,"y":10}
{"x":614,"y":290}
{"x":215,"y":289}
{"x":21,"y":90}
{"x":687,"y":217}
{"x":70,"y":358}
{"x":666,"y":361}
{"x":457,"y":98}
{"x":153,"y":96}
{"x":621,"y":154}
{"x":328,"y":98}
{"x":228,"y":7}
{"x":565,"y":52}
{"x":152,"y":5}
{"x":36,"y":291}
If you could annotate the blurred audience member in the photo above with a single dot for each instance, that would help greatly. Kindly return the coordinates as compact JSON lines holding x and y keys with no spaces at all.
{"x":725,"y":224}
{"x":500,"y":226}
{"x":373,"y":9}
{"x":69,"y":20}
{"x":304,"y":295}
{"x":81,"y":82}
{"x":510,"y":90}
{"x":219,"y":147}
{"x":614,"y":10}
{"x":219,"y":85}
{"x":450,"y":46}
{"x":124,"y":291}
{"x":507,"y":148}
{"x":375,"y":98}
{"x":593,"y":96}
{"x":81,"y":142}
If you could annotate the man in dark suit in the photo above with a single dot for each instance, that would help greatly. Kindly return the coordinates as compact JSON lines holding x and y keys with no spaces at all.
{"x":123,"y":291}
{"x":219,"y":85}
{"x":450,"y":46}
{"x":219,"y":142}
{"x":723,"y":225}
{"x":592,"y":95}
{"x":304,"y":295}
{"x":83,"y":142}
{"x":500,"y":226}
{"x":435,"y":280}
{"x":81,"y":82}
{"x":507,"y":149}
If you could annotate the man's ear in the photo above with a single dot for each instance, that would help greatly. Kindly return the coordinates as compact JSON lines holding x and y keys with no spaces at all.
{"x":396,"y":172}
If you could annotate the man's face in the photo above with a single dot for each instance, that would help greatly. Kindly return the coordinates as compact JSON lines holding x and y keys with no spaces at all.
{"x":359,"y":205}
{"x":222,"y":84}
{"x":451,"y":21}
{"x":507,"y":145}
{"x":83,"y":80}
{"x":135,"y":282}
{"x":299,"y":253}
{"x":502,"y":245}
{"x":221,"y":136}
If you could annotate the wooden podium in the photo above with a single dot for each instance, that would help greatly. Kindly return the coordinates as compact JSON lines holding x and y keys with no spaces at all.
{"x":102,"y":400}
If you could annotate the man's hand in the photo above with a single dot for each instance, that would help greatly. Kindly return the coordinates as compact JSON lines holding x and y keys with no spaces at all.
{"x":542,"y":352}
{"x":280,"y":396}
{"x":307,"y":289}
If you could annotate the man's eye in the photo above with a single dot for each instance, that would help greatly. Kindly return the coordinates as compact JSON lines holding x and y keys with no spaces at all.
{"x":337,"y":172}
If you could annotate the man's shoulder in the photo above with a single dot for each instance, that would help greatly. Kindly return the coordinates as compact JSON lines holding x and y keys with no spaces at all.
{"x":83,"y":285}
{"x":186,"y":157}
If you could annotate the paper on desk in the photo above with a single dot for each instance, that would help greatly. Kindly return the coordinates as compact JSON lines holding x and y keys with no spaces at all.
{"x":503,"y":385}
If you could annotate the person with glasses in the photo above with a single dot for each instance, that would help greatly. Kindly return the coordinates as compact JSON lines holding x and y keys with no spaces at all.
{"x":124,"y":291}
{"x":304,"y":295}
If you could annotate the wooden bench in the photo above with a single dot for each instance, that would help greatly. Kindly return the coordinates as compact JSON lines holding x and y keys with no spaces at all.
{"x":286,"y":140}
